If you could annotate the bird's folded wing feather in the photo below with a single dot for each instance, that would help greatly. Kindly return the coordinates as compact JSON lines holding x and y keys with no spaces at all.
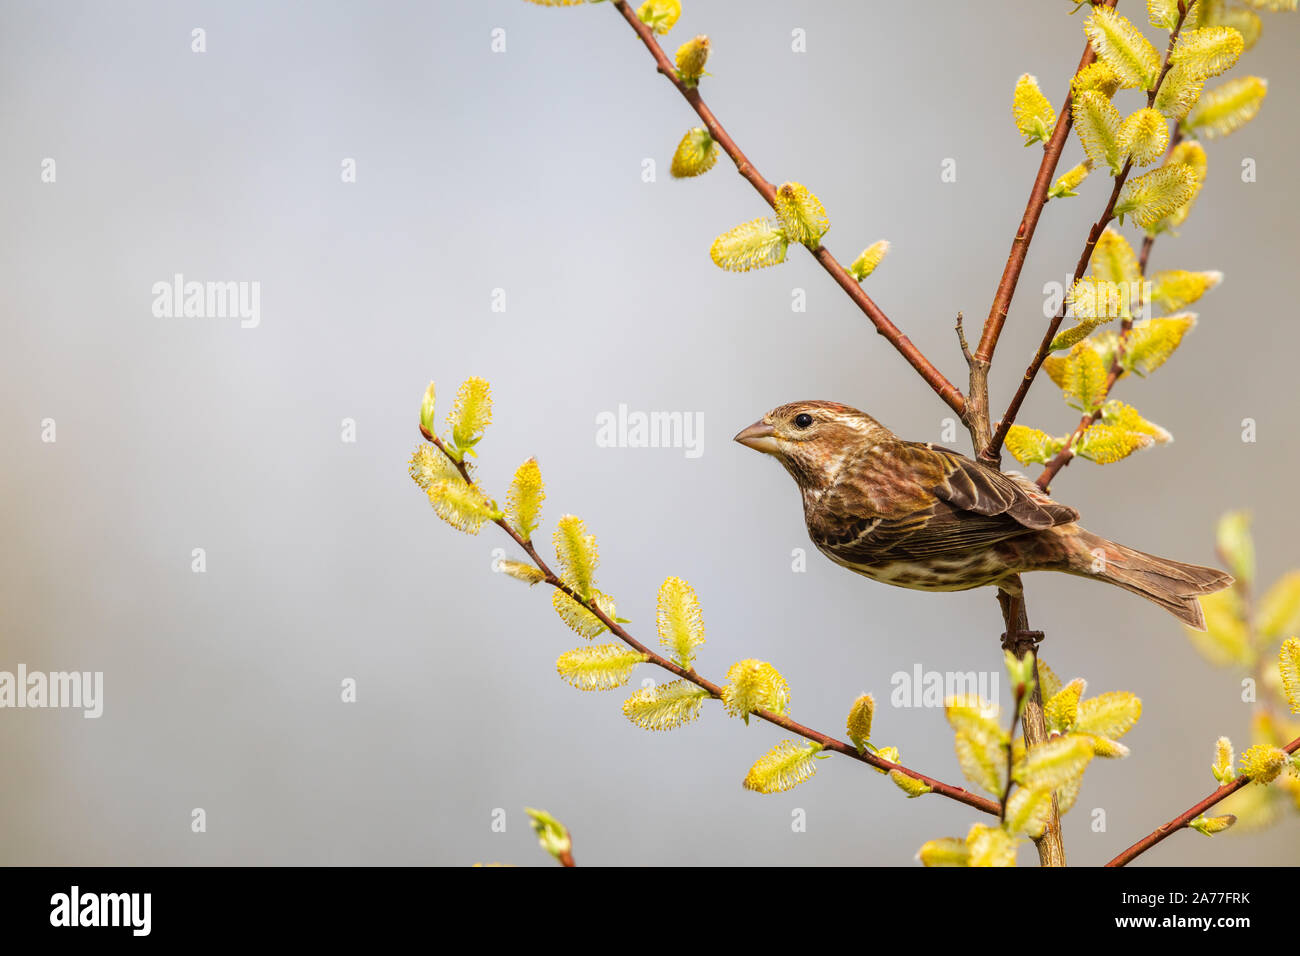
{"x":901,"y":500}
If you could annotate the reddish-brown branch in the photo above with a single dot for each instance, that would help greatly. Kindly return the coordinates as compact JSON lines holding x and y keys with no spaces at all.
{"x":1187,"y":816}
{"x":1020,"y":639}
{"x":1150,"y":240}
{"x":1066,"y":454}
{"x":1052,"y":150}
{"x":945,"y":389}
{"x":976,"y":417}
{"x":1147,"y":242}
{"x":1044,"y":348}
{"x":1016,"y":705}
{"x":959,"y":794}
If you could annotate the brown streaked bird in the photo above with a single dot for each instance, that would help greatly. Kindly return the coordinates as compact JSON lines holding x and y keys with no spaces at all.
{"x":918,"y":516}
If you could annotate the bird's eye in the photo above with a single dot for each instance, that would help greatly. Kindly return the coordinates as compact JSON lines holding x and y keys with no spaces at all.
{"x":802,"y":420}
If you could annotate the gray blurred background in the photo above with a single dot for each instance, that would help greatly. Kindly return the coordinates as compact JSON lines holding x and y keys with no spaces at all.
{"x":522,"y":170}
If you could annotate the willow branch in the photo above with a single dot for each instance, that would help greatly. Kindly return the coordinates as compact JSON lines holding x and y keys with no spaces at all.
{"x":1051,"y":848}
{"x":1006,"y":291}
{"x":959,"y":794}
{"x":1066,"y":454}
{"x":1016,"y":706}
{"x":1021,"y":640}
{"x":945,"y":389}
{"x":1187,"y":816}
{"x":1184,"y":819}
{"x":1045,"y":347}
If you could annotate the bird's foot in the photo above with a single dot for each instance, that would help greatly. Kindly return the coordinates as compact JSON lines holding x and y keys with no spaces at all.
{"x":1021,"y":640}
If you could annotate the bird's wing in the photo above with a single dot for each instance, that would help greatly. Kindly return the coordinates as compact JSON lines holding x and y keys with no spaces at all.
{"x":902,"y":500}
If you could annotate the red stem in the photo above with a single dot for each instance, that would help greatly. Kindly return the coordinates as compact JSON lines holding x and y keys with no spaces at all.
{"x":1187,"y":816}
{"x":945,"y":389}
{"x":959,"y":794}
{"x":1045,"y":347}
{"x":1066,"y":454}
{"x":1052,"y":150}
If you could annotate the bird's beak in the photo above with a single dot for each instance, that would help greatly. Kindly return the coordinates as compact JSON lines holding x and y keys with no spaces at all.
{"x":759,"y":436}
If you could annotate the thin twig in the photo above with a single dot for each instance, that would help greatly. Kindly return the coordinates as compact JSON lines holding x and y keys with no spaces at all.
{"x":1187,"y":816}
{"x":961,"y":341}
{"x":1011,"y":733}
{"x":945,"y":389}
{"x":959,"y":794}
{"x":1150,"y":240}
{"x":1066,"y":454}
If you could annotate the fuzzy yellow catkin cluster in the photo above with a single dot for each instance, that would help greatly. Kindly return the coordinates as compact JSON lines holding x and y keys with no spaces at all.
{"x":578,"y":618}
{"x":751,"y":245}
{"x":472,"y":413}
{"x":660,"y":15}
{"x":1033,"y":113}
{"x":665,"y":706}
{"x":695,"y":154}
{"x":802,"y":215}
{"x":576,"y":552}
{"x":691,"y":58}
{"x":785,"y":766}
{"x":679,"y":620}
{"x":599,"y":667}
{"x":861,"y":715}
{"x":461,"y":505}
{"x":524,"y":500}
{"x":868,"y":259}
{"x":755,"y":685}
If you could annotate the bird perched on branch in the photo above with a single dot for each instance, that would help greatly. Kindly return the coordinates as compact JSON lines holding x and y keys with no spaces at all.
{"x":917,"y":516}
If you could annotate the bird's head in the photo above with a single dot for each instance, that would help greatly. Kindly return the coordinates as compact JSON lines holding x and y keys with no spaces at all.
{"x":812,"y":439}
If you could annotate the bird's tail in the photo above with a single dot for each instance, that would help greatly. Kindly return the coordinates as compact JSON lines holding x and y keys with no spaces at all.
{"x":1171,"y":584}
